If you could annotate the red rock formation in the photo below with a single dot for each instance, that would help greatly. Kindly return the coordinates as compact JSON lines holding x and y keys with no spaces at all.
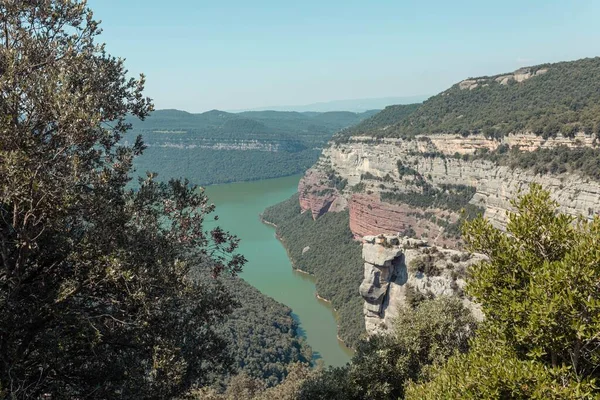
{"x":315,"y":193}
{"x":369,"y":216}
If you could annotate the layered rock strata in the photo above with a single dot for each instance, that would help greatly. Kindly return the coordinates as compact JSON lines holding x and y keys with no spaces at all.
{"x":392,"y":277}
{"x":370,"y":168}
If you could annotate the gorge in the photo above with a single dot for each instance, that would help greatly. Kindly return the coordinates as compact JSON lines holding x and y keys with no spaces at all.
{"x":422,"y":170}
{"x":269,"y":269}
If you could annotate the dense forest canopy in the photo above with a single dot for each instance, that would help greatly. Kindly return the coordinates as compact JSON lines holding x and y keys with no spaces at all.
{"x":220,"y":147}
{"x":545,"y":99}
{"x":262,"y":337}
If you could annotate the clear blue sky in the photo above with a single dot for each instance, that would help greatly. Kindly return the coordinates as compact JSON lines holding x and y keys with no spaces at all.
{"x":232,"y":54}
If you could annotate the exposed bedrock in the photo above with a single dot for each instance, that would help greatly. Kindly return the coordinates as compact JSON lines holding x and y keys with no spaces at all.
{"x":392,"y":275}
{"x":317,"y":195}
{"x":370,"y":168}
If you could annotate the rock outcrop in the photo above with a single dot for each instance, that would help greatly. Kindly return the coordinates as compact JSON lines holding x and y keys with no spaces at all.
{"x":317,"y":196}
{"x":370,"y":168}
{"x":518,"y":76}
{"x":397,"y":270}
{"x":370,"y":216}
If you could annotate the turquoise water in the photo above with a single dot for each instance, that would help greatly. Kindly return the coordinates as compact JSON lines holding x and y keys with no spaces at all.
{"x":269,"y":269}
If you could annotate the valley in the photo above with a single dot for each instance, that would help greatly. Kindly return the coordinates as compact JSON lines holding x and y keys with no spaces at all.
{"x":445,"y":249}
{"x":269,"y":270}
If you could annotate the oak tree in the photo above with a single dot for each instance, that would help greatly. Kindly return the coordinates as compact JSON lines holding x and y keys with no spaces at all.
{"x":97,"y":297}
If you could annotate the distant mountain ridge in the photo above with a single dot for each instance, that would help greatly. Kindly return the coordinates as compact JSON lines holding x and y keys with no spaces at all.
{"x":353,"y":105}
{"x":216,"y":123}
{"x":218,"y":146}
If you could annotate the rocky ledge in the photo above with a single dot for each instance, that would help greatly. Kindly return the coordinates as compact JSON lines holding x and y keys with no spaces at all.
{"x":374,"y":173}
{"x":399,"y":271}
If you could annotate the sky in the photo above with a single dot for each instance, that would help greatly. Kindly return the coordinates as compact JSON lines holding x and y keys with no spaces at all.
{"x":240,"y":54}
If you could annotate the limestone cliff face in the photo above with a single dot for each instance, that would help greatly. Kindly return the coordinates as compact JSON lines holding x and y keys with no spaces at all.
{"x":317,"y":196}
{"x":397,"y":269}
{"x":370,"y":168}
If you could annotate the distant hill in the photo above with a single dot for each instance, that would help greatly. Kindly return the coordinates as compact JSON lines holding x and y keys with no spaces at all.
{"x":544,"y":99}
{"x":379,"y":122}
{"x":218,"y":146}
{"x":353,"y":105}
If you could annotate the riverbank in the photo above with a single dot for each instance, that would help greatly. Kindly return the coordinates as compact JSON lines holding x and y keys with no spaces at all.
{"x":325,"y":252}
{"x":312,"y":276}
{"x":269,"y":268}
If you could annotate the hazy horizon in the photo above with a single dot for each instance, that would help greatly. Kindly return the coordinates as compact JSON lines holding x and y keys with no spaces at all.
{"x":232,"y":55}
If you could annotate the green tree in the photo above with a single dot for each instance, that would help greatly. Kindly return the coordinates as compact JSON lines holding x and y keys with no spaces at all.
{"x":384,"y":364}
{"x":96,"y":294}
{"x":540,"y":294}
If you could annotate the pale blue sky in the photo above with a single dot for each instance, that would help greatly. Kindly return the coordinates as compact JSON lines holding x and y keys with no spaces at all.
{"x":232,"y":54}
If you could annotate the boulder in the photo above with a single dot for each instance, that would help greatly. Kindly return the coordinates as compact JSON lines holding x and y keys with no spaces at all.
{"x":380,"y":255}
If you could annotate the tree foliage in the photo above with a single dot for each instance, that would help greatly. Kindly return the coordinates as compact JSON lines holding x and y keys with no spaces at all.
{"x":540,"y":294}
{"x":243,"y":387}
{"x":379,"y":122}
{"x":262,"y":336}
{"x":96,"y":297}
{"x":383,"y":365}
{"x":565,"y":99}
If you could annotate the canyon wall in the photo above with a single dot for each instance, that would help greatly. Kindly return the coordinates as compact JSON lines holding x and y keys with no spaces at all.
{"x":355,"y":174}
{"x":399,"y":272}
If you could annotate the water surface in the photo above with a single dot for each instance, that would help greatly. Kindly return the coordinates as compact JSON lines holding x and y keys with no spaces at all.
{"x":269,"y":269}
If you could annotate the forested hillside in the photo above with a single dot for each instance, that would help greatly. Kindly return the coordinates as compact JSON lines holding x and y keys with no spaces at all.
{"x":380,"y":122}
{"x":338,"y":273}
{"x":545,"y":99}
{"x":219,"y":147}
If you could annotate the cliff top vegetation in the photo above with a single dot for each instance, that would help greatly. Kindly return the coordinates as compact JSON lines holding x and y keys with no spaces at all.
{"x":545,"y":99}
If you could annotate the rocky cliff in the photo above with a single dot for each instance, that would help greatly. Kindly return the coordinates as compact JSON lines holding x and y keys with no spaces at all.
{"x":399,"y":271}
{"x":388,"y":183}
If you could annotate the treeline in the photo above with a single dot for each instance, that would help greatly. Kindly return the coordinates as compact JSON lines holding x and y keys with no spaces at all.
{"x":333,"y":257}
{"x":558,"y":98}
{"x":255,"y":125}
{"x":379,"y":122}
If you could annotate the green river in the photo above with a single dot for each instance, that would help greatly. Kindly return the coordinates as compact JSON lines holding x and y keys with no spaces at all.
{"x":268,"y":268}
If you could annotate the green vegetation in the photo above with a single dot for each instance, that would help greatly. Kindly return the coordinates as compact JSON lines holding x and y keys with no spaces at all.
{"x":584,"y":161}
{"x":208,"y":166}
{"x":379,"y":122}
{"x":96,"y":295}
{"x":383,"y":365}
{"x":244,"y":387}
{"x":539,"y":292}
{"x":358,"y":188}
{"x":425,"y":265}
{"x":447,"y":197}
{"x":220,"y":147}
{"x":565,"y":99}
{"x":404,"y":170}
{"x":262,"y":335}
{"x":334,"y":259}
